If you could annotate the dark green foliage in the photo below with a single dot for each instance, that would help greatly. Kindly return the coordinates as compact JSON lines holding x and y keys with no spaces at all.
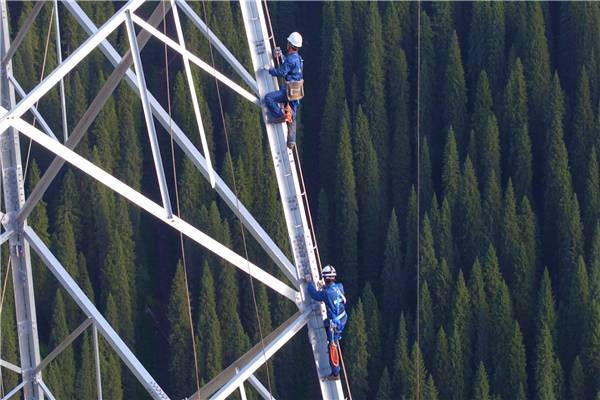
{"x":451,"y":170}
{"x":417,"y":373}
{"x":368,"y":196}
{"x":392,"y":272}
{"x":468,"y":222}
{"x":373,"y":330}
{"x":112,"y":382}
{"x":454,"y":110}
{"x":591,"y":197}
{"x":545,"y":366}
{"x":209,"y":328}
{"x":346,"y":215}
{"x":576,"y":381}
{"x":384,"y":388}
{"x":440,"y":365}
{"x":517,"y":373}
{"x":401,"y":363}
{"x":357,"y":352}
{"x":481,"y":387}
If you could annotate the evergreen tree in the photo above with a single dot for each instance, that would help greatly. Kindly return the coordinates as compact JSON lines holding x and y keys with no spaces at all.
{"x":468,"y":223}
{"x":456,"y":388}
{"x":85,"y":385}
{"x":489,"y":151}
{"x":451,"y":170}
{"x":426,"y":180}
{"x":454,"y":91}
{"x":483,"y":108}
{"x":481,"y":314}
{"x":445,"y":241}
{"x":517,"y":373}
{"x":440,"y":366}
{"x":591,"y":353}
{"x":368,"y":197}
{"x":384,"y":388}
{"x":501,"y":330}
{"x":61,"y":373}
{"x":392,"y":274}
{"x":357,"y":354}
{"x":430,"y":392}
{"x":544,"y":380}
{"x":591,"y":198}
{"x":417,"y":373}
{"x":546,"y":309}
{"x":581,"y":138}
{"x":209,"y":328}
{"x":373,"y":330}
{"x":401,"y":359}
{"x":574,"y":311}
{"x":346,"y":218}
{"x":481,"y":387}
{"x":181,"y":355}
{"x":492,"y":209}
{"x":112,"y":384}
{"x":576,"y":381}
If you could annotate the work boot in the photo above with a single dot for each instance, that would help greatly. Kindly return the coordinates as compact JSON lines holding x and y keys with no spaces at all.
{"x":291,"y":136}
{"x":332,"y":377}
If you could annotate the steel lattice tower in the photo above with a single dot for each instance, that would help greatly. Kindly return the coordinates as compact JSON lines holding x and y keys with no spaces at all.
{"x":129,"y":67}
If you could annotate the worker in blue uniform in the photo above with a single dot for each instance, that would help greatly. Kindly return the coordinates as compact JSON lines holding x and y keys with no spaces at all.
{"x":332,"y":294}
{"x":292,"y":91}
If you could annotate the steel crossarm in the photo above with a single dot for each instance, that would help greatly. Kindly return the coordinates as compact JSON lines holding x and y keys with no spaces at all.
{"x":197,"y":61}
{"x":86,"y":120}
{"x":141,"y":81}
{"x":260,"y":388}
{"x":155,"y":209}
{"x":212,"y":38}
{"x":194,"y":155}
{"x":230,"y":379}
{"x":91,"y":311}
{"x":192,"y":87}
{"x":71,"y":62}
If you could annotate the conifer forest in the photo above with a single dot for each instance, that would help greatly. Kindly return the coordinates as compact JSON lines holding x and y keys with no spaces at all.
{"x":451,"y":157}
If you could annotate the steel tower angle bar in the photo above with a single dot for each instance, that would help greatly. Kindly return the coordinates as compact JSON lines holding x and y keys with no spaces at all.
{"x":155,"y":209}
{"x":260,"y":388}
{"x":11,"y":366}
{"x":33,"y":110}
{"x":91,"y":311}
{"x":141,"y":81}
{"x":196,"y":60}
{"x":194,"y":155}
{"x":73,"y":60}
{"x":221,"y":48}
{"x":14,"y":391}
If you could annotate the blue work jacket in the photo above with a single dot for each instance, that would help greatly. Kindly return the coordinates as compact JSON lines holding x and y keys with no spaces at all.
{"x":333,"y":297}
{"x":290,"y":69}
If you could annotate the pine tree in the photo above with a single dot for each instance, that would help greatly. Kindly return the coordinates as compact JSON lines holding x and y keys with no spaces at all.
{"x":232,"y":331}
{"x":356,"y":352}
{"x":346,"y":218}
{"x":544,"y":380}
{"x":581,"y":139}
{"x":591,"y":198}
{"x":368,"y":197}
{"x":426,"y":180}
{"x":392,"y":274}
{"x":546,"y":309}
{"x":373,"y":330}
{"x":501,"y":329}
{"x":440,"y":366}
{"x":445,"y":240}
{"x":491,"y":273}
{"x":481,"y":314}
{"x":529,"y":235}
{"x":468,"y":223}
{"x":373,"y":95}
{"x":454,"y":91}
{"x":430,"y":392}
{"x":456,"y":387}
{"x":576,"y":381}
{"x":85,"y":385}
{"x":517,"y":373}
{"x":417,"y":373}
{"x":492,"y":209}
{"x":428,"y":260}
{"x":481,"y":387}
{"x":594,"y":265}
{"x":401,"y":362}
{"x":451,"y":170}
{"x":489,"y":151}
{"x":181,"y":355}
{"x":427,"y":324}
{"x":61,"y":373}
{"x":112,"y":384}
{"x":591,"y":348}
{"x":209,"y":328}
{"x":486,"y":42}
{"x":384,"y":388}
{"x":483,"y":108}
{"x":574,"y":311}
{"x":515,"y":138}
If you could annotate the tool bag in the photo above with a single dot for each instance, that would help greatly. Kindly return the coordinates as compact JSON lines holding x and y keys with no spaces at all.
{"x":294,"y":90}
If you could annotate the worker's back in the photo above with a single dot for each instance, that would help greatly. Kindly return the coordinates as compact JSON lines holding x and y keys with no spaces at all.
{"x":335,"y":300}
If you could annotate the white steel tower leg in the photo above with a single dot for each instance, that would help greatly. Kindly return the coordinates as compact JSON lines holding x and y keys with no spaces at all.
{"x":289,"y":189}
{"x":14,"y":197}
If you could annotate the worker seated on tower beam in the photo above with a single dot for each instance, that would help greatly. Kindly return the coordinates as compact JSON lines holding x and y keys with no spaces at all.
{"x":289,"y":95}
{"x":332,"y":294}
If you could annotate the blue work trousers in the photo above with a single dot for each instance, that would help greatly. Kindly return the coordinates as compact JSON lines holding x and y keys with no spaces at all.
{"x":273,"y":99}
{"x":334,"y":331}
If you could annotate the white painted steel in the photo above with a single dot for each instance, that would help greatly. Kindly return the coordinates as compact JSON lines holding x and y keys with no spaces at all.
{"x":91,"y":311}
{"x":5,"y":236}
{"x":192,"y":87}
{"x":260,"y":358}
{"x":46,"y":390}
{"x":14,"y":197}
{"x":214,"y":40}
{"x":154,"y":209}
{"x":63,"y":103}
{"x":289,"y":190}
{"x":97,"y":362}
{"x":11,"y":366}
{"x":14,"y":391}
{"x":197,"y":61}
{"x":260,"y":388}
{"x":194,"y":155}
{"x":141,"y":81}
{"x":71,"y":62}
{"x":33,"y":110}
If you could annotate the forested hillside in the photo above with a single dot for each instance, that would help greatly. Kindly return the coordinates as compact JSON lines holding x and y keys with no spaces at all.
{"x":494,"y":202}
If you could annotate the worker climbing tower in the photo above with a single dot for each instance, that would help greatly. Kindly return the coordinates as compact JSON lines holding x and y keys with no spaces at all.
{"x":129,"y":67}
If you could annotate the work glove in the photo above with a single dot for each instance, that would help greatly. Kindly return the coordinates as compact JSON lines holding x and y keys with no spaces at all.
{"x":277,"y":52}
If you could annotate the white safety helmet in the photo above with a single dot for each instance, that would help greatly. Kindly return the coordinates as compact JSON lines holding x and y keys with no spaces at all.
{"x":295,"y":39}
{"x":329,"y":272}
